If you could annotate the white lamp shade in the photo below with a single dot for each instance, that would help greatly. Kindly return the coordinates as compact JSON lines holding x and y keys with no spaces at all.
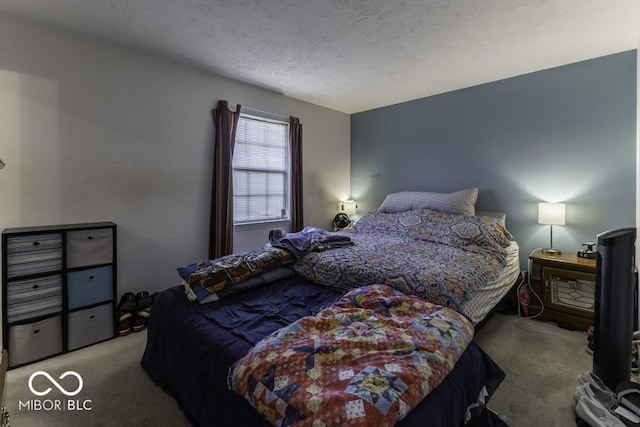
{"x":349,"y":207}
{"x":551,"y":213}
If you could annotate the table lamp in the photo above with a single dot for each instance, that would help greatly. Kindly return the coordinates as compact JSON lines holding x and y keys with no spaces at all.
{"x":552,"y":214}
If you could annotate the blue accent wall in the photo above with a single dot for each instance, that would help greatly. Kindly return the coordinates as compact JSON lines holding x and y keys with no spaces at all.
{"x":566,"y":134}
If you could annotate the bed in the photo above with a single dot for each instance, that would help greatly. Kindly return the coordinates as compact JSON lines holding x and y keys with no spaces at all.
{"x":201,"y":332}
{"x":414,"y":251}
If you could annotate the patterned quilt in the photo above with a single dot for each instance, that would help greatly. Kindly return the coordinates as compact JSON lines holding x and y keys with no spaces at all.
{"x":218,"y":277}
{"x":366,"y":360}
{"x":437,"y":256}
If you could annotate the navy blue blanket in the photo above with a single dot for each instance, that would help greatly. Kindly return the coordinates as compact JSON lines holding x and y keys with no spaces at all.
{"x":191,"y":347}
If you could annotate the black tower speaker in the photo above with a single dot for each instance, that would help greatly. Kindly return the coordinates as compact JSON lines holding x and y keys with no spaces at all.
{"x":614,"y":306}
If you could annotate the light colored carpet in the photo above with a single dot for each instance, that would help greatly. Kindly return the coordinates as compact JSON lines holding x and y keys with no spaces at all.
{"x":541,"y":362}
{"x":121,"y":394}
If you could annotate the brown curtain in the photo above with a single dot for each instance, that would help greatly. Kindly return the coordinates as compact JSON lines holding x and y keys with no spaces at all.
{"x":221,"y":227}
{"x":295,"y":141}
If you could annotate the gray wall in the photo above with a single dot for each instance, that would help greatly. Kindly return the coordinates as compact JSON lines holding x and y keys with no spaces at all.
{"x":565,"y":134}
{"x":91,"y":131}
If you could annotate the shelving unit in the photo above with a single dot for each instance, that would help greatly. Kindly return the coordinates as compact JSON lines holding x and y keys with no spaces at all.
{"x":58,"y":289}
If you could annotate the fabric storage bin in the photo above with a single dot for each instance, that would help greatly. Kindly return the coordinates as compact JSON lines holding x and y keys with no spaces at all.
{"x":91,"y":326}
{"x":89,"y":247}
{"x":32,"y":298}
{"x":91,"y":286}
{"x":33,"y":242}
{"x":34,"y":253}
{"x":35,"y":340}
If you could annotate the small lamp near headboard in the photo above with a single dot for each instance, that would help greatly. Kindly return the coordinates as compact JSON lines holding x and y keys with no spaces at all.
{"x":342,"y":220}
{"x":552,"y":214}
{"x":349,"y":207}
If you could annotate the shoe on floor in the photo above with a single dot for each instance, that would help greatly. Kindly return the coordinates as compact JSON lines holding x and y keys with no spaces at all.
{"x":143,"y":310}
{"x":125,"y":326}
{"x":596,"y":415}
{"x":604,"y":398}
{"x":127,"y":303}
{"x":590,"y":377}
{"x":126,"y":308}
{"x":628,"y":394}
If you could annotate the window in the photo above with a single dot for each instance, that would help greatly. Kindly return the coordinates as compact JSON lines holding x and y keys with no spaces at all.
{"x":260,"y":170}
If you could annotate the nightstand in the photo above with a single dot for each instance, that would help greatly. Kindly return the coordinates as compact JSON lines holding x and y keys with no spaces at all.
{"x":566,"y":284}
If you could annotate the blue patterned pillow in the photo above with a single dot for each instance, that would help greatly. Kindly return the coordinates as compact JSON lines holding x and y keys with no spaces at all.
{"x":462,"y":231}
{"x":460,"y":202}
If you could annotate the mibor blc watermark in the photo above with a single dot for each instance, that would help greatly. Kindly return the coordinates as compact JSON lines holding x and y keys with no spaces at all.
{"x":55,"y":404}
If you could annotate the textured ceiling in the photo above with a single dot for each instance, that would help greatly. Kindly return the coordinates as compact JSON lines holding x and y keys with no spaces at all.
{"x":355,"y":55}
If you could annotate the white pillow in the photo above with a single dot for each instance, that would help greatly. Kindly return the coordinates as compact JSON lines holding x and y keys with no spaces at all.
{"x":460,"y":202}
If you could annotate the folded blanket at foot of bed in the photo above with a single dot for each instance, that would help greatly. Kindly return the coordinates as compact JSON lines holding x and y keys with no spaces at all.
{"x":215,"y":279}
{"x":367,"y":359}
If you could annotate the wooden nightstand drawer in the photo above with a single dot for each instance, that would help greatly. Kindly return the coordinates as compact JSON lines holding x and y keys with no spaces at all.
{"x":90,"y":326}
{"x":571,"y":291}
{"x":89,"y":247}
{"x":35,"y":340}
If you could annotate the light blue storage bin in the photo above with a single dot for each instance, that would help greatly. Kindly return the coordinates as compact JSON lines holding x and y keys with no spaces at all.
{"x":91,"y":286}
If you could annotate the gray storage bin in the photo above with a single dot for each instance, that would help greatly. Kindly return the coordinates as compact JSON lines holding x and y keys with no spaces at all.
{"x":89,"y":247}
{"x":91,"y":326}
{"x":27,"y":299}
{"x":34,"y":253}
{"x":31,"y":242}
{"x":91,"y":286}
{"x":35,"y":340}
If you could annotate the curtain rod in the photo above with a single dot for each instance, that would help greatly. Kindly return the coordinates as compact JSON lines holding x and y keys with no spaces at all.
{"x":255,"y":111}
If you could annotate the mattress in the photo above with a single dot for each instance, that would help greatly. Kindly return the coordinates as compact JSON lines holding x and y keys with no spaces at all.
{"x":484,"y":299}
{"x":191,"y":347}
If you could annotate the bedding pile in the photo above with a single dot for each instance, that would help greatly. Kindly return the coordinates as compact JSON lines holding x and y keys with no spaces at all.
{"x":214,"y":279}
{"x":441,"y":257}
{"x":310,"y":239}
{"x":367,"y":359}
{"x":438,"y":256}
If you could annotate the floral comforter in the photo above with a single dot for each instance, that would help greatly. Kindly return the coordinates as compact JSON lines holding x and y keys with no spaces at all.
{"x":368,"y":359}
{"x":437,"y":256}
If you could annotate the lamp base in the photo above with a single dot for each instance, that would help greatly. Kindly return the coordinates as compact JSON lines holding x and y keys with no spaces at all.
{"x":550,"y":251}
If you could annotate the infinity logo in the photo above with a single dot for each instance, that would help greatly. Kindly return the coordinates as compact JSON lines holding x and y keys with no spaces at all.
{"x":55,"y":383}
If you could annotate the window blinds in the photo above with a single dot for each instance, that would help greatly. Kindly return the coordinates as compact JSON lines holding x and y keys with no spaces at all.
{"x":260,"y":170}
